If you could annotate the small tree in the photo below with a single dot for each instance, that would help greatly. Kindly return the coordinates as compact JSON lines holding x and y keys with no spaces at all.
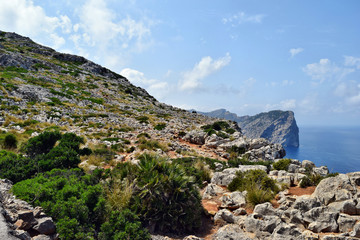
{"x":10,"y":141}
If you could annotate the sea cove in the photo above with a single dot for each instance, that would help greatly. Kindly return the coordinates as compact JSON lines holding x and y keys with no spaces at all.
{"x":336,"y":147}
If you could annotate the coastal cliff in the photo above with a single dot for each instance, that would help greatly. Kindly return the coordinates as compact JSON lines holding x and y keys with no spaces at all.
{"x":276,"y":126}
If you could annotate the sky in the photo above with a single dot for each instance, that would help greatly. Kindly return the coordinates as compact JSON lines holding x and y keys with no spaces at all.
{"x":247,"y":56}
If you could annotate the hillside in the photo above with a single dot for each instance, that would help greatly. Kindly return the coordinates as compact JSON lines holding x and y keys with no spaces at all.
{"x":276,"y":126}
{"x":87,"y":155}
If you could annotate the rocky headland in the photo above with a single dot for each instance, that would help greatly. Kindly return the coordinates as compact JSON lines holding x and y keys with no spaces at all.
{"x":276,"y":126}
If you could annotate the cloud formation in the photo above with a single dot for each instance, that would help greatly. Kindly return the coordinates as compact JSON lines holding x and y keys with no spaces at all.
{"x":242,"y":17}
{"x":325,"y":70}
{"x":154,"y":87}
{"x":295,"y":51}
{"x":192,"y":79}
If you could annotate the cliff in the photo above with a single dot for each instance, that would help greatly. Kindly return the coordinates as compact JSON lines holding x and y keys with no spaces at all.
{"x":276,"y":126}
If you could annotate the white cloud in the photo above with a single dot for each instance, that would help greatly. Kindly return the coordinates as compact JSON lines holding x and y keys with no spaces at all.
{"x":295,"y":51}
{"x":288,"y":104}
{"x":352,"y":62}
{"x":310,"y":103}
{"x":242,"y":17}
{"x":349,"y":91}
{"x":325,"y":70}
{"x":23,"y":17}
{"x":192,"y":79}
{"x":154,"y":87}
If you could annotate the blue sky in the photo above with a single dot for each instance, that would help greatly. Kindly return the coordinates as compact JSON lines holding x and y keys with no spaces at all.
{"x":245,"y":56}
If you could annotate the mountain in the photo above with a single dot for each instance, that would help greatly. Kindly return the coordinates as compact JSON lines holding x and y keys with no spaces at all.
{"x":276,"y":126}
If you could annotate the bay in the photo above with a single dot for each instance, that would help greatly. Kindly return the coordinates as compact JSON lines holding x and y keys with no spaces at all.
{"x":338,"y":148}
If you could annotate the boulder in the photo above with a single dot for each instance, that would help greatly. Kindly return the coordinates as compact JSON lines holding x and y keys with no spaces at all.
{"x":233,"y":200}
{"x":195,"y":137}
{"x":230,"y":232}
{"x":333,"y":189}
{"x":21,"y":234}
{"x":265,"y":209}
{"x":321,"y":219}
{"x":307,"y":164}
{"x":346,"y":223}
{"x":322,"y":171}
{"x":257,"y":223}
{"x":224,"y":215}
{"x":45,"y":226}
{"x":356,"y":231}
{"x":347,"y":206}
{"x":285,"y":231}
{"x":225,"y":177}
{"x":192,"y":237}
{"x":212,"y":190}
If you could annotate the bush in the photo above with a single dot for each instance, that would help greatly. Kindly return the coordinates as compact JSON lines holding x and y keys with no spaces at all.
{"x":282,"y":164}
{"x":166,"y":198}
{"x":41,"y":144}
{"x":160,"y":126}
{"x":10,"y":141}
{"x":123,"y":225}
{"x":74,"y":200}
{"x":257,"y":183}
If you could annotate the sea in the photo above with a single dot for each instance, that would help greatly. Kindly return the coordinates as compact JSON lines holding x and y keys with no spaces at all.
{"x":338,"y":148}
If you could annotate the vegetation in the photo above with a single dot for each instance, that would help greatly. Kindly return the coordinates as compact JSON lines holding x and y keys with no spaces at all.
{"x":313,"y":179}
{"x":260,"y":188}
{"x":10,"y":141}
{"x":282,"y":164}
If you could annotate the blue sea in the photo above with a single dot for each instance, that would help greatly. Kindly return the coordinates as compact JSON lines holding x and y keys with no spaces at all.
{"x":336,"y":147}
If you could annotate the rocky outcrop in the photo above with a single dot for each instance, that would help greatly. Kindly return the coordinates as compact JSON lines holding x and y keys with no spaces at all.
{"x":19,"y":220}
{"x":276,"y":126}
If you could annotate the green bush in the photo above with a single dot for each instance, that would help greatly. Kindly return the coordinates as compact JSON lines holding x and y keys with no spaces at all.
{"x":166,"y":198}
{"x":282,"y":164}
{"x":74,"y":200}
{"x":143,"y":119}
{"x":10,"y":141}
{"x":123,"y":225}
{"x":41,"y":144}
{"x":257,"y":183}
{"x":160,"y":126}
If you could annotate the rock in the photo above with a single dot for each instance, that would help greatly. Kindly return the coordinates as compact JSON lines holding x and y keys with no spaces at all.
{"x":212,"y":190}
{"x":192,"y":237}
{"x":224,"y":215}
{"x":230,"y":232}
{"x":321,"y":219}
{"x":293,"y":168}
{"x":41,"y":237}
{"x":307,"y":164}
{"x":285,"y":231}
{"x":265,"y":209}
{"x":195,"y":137}
{"x":346,"y":223}
{"x":244,"y":168}
{"x":45,"y":226}
{"x":333,"y":189}
{"x":305,"y":203}
{"x":258,"y":224}
{"x":240,"y":212}
{"x":356,"y":231}
{"x":21,"y":234}
{"x":322,"y":171}
{"x":347,"y":206}
{"x":233,"y":200}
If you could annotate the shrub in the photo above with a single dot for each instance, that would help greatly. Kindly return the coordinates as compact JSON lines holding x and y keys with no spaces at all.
{"x":123,"y":225}
{"x":160,"y":126}
{"x":74,"y":200}
{"x":42,"y":143}
{"x":257,"y":183}
{"x":282,"y":164}
{"x":143,"y":119}
{"x":10,"y":141}
{"x":166,"y":198}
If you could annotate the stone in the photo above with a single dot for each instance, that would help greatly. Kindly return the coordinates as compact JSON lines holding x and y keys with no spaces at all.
{"x":322,"y":171}
{"x":356,"y":231}
{"x":224,"y":215}
{"x":42,"y":237}
{"x":225,"y":177}
{"x":307,"y":164}
{"x":230,"y":232}
{"x":257,"y":223}
{"x":240,"y":212}
{"x":195,"y":137}
{"x":321,"y":219}
{"x":305,"y":203}
{"x":333,"y":189}
{"x":233,"y":200}
{"x":265,"y":209}
{"x":285,"y":231}
{"x":212,"y":190}
{"x":346,"y":223}
{"x":21,"y":234}
{"x":45,"y":226}
{"x":293,"y":168}
{"x":192,"y":237}
{"x":244,"y":168}
{"x":347,"y":206}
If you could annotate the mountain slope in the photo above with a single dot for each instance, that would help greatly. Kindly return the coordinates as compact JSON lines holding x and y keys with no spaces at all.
{"x":276,"y":126}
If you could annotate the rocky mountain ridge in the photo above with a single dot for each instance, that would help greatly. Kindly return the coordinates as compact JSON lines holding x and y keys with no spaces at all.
{"x":45,"y":90}
{"x":276,"y":126}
